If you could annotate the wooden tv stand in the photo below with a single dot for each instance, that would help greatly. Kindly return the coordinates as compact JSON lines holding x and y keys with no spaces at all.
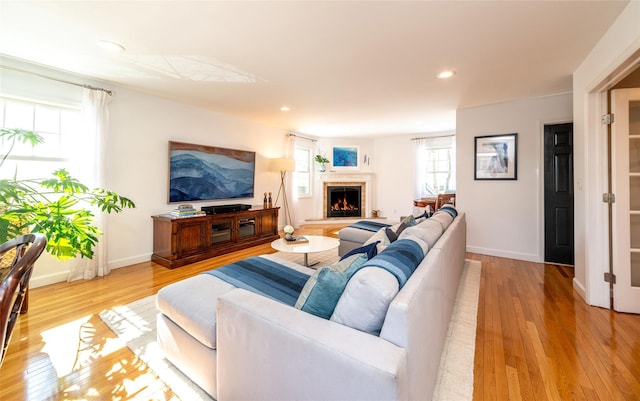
{"x":180,"y":241}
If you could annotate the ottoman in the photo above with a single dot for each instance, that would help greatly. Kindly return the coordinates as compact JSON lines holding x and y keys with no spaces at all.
{"x":356,"y":234}
{"x":187,"y":327}
{"x":186,"y":324}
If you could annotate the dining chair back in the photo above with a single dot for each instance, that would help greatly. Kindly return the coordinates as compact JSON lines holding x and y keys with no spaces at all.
{"x":17,"y":257}
{"x":445,"y":199}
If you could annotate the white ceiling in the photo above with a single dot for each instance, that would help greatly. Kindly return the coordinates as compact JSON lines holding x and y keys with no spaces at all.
{"x":345,"y":68}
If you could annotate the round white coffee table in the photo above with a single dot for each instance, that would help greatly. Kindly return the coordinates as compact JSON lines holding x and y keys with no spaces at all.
{"x":317,"y":243}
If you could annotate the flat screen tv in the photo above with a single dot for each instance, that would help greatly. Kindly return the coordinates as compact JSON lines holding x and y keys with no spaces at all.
{"x":202,"y":173}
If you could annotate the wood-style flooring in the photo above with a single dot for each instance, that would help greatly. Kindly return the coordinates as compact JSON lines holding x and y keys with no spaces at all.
{"x":536,"y":338}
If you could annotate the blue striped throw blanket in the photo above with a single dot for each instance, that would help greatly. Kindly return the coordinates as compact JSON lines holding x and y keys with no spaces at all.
{"x":401,"y":259}
{"x":264,"y":277}
{"x":369,"y":225}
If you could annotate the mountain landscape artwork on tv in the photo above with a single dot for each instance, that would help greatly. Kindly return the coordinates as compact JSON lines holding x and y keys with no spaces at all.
{"x":200,"y":173}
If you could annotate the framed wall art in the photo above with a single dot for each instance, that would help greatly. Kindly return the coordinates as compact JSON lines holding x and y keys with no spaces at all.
{"x":496,"y":157}
{"x":201,"y":172}
{"x":346,"y":157}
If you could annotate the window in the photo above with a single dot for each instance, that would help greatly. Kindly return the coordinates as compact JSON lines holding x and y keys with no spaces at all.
{"x":56,"y":124}
{"x":303,"y":171}
{"x":435,"y":166}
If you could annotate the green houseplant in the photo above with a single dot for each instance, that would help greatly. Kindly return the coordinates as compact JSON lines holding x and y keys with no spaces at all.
{"x":57,"y":207}
{"x":322,"y":160}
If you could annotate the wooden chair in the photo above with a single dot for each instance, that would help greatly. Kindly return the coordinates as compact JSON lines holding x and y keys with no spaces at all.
{"x":17,"y":257}
{"x":445,"y":199}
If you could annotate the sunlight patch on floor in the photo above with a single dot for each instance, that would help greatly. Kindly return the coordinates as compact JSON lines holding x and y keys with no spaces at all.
{"x":61,"y":343}
{"x":73,"y":345}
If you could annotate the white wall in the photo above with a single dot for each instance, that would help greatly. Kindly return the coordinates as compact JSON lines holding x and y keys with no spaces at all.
{"x":597,"y":73}
{"x":137,"y":160}
{"x":137,"y":163}
{"x":505,"y":218}
{"x":324,"y":146}
{"x":394,"y":181}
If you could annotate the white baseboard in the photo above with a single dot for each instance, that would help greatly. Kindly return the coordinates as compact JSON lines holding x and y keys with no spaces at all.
{"x":47,"y":279}
{"x":579,"y":288}
{"x":63,"y":275}
{"x":116,"y":264}
{"x":505,"y":254}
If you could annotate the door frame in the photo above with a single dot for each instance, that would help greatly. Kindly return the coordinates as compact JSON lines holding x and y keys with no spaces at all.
{"x":625,"y":295}
{"x":596,"y":291}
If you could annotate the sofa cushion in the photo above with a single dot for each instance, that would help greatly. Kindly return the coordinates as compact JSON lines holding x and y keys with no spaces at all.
{"x":449,"y":209}
{"x":409,"y":221}
{"x":423,"y":245}
{"x":443,"y":218}
{"x":365,"y":300}
{"x":191,"y":304}
{"x":429,"y":231}
{"x":381,"y":237}
{"x":400,"y":259}
{"x":324,"y":288}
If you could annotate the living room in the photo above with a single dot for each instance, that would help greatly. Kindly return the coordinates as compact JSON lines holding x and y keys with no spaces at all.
{"x":504,"y":218}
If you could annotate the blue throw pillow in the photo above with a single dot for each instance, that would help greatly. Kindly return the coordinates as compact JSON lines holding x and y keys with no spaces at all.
{"x":424,"y":215}
{"x":393,"y":235}
{"x":371,"y":250}
{"x":409,"y":221}
{"x":328,"y":288}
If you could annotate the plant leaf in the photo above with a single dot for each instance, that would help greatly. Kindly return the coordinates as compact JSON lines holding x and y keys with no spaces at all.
{"x":55,"y":207}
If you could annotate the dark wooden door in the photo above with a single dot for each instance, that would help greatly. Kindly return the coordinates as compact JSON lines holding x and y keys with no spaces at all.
{"x":558,"y":193}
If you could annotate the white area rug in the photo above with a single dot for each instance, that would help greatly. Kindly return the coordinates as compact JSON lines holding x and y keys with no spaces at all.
{"x":455,"y":378}
{"x":135,"y":325}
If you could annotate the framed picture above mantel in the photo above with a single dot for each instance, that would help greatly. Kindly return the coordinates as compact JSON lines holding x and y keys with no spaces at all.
{"x":496,"y":157}
{"x":346,"y":157}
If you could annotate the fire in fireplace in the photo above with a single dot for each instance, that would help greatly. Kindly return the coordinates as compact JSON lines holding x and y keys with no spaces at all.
{"x":344,"y":201}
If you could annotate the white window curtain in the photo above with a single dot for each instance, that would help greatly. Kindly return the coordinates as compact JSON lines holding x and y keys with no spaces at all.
{"x":435,"y":166}
{"x":89,"y":162}
{"x":292,"y":193}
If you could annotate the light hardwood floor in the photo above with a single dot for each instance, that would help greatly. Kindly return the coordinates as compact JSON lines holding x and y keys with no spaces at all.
{"x":536,"y":339}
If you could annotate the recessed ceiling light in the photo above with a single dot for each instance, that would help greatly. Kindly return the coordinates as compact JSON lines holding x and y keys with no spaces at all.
{"x":446,"y":74}
{"x":285,"y":108}
{"x":111,"y":46}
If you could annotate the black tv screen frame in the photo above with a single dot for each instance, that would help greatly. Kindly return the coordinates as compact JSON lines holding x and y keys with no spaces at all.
{"x":207,"y":173}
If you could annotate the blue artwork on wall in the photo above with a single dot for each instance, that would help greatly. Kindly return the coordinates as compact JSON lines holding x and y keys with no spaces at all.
{"x":345,"y":156}
{"x":198,"y":173}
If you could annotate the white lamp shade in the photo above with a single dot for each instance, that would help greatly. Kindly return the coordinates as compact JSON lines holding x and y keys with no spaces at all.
{"x":282,"y":164}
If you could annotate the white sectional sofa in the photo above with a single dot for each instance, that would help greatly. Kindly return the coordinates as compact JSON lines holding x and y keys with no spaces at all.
{"x":239,"y":345}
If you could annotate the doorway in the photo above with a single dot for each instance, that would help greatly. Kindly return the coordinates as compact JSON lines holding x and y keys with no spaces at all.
{"x":625,"y":224}
{"x":558,"y":194}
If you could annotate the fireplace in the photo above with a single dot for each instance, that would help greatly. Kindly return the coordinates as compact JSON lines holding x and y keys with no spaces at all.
{"x":361,"y":180}
{"x":344,"y":201}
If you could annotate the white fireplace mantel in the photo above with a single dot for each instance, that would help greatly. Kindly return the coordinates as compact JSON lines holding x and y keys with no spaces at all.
{"x":349,"y":177}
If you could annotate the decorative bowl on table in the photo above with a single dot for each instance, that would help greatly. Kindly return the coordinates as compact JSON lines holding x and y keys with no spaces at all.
{"x":288,"y":233}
